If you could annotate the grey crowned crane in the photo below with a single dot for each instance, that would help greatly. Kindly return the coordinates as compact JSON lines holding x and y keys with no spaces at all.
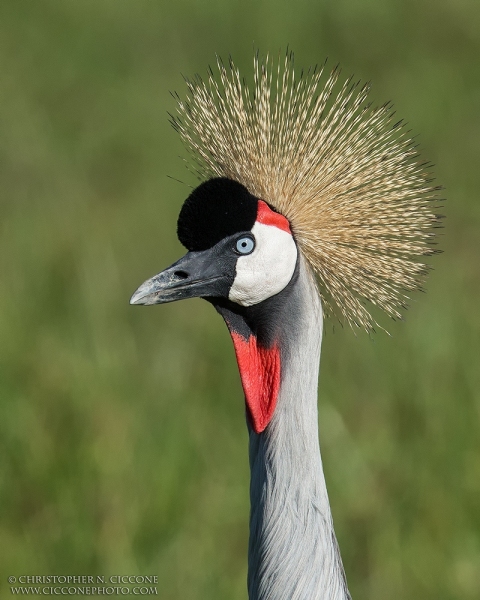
{"x":310,"y":198}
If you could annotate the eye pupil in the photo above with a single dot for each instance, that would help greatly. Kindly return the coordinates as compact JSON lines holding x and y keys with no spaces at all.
{"x":245,"y":245}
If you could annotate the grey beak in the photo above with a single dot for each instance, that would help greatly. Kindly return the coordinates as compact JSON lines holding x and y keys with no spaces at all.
{"x":197,"y":274}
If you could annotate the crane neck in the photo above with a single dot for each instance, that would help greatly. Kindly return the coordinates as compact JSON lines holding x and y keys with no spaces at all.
{"x":293,"y":552}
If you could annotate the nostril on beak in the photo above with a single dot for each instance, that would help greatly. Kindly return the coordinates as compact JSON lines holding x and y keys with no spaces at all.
{"x":181,"y":274}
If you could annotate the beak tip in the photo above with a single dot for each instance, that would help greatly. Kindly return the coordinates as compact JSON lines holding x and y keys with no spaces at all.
{"x":139,"y":296}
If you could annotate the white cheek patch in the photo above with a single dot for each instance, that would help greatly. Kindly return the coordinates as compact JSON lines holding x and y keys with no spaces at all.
{"x":268,"y":269}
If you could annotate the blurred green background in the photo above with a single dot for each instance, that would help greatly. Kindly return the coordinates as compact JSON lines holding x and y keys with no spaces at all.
{"x":123,"y":447}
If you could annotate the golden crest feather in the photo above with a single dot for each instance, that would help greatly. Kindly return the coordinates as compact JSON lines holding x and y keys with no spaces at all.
{"x":345,"y":175}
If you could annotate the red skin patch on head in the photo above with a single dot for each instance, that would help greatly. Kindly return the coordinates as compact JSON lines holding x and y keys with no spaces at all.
{"x":267,"y":216}
{"x":260,"y":374}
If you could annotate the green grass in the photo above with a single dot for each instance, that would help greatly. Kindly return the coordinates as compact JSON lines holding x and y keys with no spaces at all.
{"x":122,"y":435}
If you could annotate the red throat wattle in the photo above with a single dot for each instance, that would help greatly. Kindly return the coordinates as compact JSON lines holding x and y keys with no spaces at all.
{"x":260,"y":374}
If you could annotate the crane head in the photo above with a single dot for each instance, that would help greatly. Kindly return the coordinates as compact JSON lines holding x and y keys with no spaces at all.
{"x":299,"y":167}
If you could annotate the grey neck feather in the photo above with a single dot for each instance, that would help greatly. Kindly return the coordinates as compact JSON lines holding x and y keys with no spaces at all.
{"x":293,"y":552}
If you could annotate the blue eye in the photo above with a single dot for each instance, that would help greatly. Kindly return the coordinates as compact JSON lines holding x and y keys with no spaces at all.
{"x":245,"y":245}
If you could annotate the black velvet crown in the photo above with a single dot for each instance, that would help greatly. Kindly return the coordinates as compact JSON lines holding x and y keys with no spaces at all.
{"x":214,"y":210}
